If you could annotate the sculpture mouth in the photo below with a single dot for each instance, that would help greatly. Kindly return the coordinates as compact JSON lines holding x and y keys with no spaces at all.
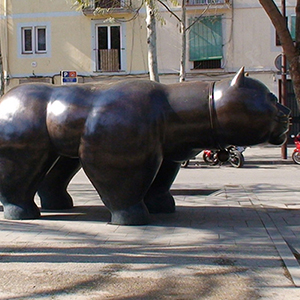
{"x":282,"y":121}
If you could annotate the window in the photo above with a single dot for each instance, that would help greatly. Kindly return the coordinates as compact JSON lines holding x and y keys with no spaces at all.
{"x":34,"y":39}
{"x":41,"y":39}
{"x":206,"y":42}
{"x":108,"y":48}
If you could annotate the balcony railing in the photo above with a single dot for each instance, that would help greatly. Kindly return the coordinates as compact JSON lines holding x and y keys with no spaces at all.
{"x":109,"y":60}
{"x":113,"y":6}
{"x":206,"y":2}
{"x":110,"y":3}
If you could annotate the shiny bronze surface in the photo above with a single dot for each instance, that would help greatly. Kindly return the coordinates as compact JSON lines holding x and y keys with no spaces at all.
{"x":129,"y":137}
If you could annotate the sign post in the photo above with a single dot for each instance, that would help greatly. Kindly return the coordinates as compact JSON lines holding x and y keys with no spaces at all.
{"x":283,"y":81}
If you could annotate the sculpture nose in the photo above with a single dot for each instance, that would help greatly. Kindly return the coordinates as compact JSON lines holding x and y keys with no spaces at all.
{"x":283,"y":116}
{"x":283,"y":111}
{"x":278,"y":136}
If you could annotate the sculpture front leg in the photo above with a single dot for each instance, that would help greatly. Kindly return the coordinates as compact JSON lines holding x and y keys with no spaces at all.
{"x":122,"y":191}
{"x":158,"y":198}
{"x":122,"y":184}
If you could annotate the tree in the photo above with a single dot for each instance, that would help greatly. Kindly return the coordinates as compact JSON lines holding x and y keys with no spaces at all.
{"x":182,"y":72}
{"x":151,"y":40}
{"x":1,"y":76}
{"x":291,"y":49}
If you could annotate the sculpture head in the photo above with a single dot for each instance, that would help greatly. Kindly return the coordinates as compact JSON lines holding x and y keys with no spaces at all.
{"x":245,"y":112}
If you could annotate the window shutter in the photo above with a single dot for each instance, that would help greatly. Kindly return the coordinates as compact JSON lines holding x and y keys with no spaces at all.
{"x":293,"y":27}
{"x":205,"y":39}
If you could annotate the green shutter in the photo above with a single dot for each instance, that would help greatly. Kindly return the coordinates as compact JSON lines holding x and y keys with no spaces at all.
{"x":293,"y":27}
{"x":205,"y":39}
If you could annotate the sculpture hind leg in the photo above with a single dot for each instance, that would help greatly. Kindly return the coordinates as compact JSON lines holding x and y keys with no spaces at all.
{"x":53,"y":189}
{"x":158,"y":198}
{"x":21,"y":171}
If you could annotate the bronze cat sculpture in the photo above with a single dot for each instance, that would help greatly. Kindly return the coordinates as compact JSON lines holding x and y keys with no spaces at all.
{"x":129,"y":137}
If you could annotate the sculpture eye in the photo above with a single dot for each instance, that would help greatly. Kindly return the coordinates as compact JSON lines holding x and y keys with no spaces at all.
{"x":272,"y":98}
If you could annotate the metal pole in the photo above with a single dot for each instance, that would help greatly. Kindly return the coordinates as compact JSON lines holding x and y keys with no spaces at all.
{"x":283,"y":81}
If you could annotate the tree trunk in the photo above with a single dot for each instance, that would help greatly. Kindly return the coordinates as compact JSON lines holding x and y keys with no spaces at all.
{"x":151,"y":40}
{"x":182,"y":73}
{"x":295,"y":65}
{"x":1,"y":77}
{"x":290,"y":49}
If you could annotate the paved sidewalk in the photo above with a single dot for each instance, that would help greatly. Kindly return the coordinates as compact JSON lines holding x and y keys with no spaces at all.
{"x":235,"y":235}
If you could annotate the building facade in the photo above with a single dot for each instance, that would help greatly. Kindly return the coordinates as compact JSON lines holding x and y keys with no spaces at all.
{"x":42,"y":38}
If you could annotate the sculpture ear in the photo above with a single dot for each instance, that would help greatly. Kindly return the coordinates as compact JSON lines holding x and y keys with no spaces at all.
{"x":238,"y":79}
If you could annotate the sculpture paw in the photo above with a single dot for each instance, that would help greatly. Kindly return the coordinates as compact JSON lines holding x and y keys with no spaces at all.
{"x":17,"y":212}
{"x":134,"y":215}
{"x":161,"y":203}
{"x":56,"y":201}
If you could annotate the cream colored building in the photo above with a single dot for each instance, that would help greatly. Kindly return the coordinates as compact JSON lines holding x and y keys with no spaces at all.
{"x":42,"y":38}
{"x":39,"y":39}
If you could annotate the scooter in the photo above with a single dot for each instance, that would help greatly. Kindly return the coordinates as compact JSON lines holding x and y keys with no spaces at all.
{"x":296,"y":152}
{"x":232,"y":154}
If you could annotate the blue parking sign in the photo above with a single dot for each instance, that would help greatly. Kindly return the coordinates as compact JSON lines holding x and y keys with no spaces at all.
{"x":69,"y":77}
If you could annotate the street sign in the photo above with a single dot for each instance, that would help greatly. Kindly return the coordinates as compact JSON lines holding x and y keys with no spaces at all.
{"x":278,"y":63}
{"x":69,"y":77}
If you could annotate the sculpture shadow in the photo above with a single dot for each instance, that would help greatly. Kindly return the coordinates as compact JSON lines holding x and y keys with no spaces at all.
{"x":101,"y":213}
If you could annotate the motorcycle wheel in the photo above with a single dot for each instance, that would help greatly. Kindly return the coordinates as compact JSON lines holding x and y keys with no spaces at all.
{"x":185,"y":164}
{"x":236,"y":159}
{"x":296,"y":157}
{"x":211,"y":160}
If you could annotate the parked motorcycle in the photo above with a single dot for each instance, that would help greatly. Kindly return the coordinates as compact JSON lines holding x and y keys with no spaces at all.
{"x":296,"y":152}
{"x":185,"y":163}
{"x":232,"y":154}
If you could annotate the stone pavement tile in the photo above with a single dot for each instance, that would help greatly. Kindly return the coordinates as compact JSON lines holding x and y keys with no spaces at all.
{"x":131,"y":229}
{"x":252,"y":241}
{"x":295,"y":230}
{"x":254,"y":223}
{"x":159,"y":230}
{"x":190,"y":238}
{"x":126,"y":239}
{"x":292,"y":220}
{"x":161,"y":241}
